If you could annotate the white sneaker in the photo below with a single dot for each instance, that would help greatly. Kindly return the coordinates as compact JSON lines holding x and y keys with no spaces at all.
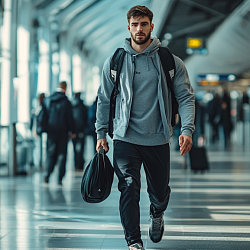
{"x":136,"y":246}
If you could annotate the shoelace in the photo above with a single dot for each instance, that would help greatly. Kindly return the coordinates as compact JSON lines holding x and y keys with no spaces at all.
{"x":156,"y":223}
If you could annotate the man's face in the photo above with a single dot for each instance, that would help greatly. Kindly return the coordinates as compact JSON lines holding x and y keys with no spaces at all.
{"x":140,"y":29}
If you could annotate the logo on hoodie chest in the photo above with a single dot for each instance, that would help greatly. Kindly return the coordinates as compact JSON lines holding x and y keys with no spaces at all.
{"x":137,"y":72}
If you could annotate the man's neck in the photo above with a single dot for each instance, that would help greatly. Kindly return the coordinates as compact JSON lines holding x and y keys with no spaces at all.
{"x":140,"y":47}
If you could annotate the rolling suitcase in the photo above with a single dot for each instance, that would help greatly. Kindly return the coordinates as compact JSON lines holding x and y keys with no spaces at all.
{"x":198,"y":159}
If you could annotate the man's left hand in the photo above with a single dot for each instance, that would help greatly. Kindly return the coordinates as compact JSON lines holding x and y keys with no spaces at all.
{"x":185,"y":142}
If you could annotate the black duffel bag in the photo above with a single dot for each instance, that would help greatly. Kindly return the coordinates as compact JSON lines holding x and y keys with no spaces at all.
{"x":97,"y":178}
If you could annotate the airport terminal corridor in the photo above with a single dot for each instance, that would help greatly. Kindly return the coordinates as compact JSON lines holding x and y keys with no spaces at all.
{"x":206,"y":211}
{"x":57,"y":97}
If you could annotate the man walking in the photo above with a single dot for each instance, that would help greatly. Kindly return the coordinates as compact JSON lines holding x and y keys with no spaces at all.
{"x":60,"y":126}
{"x":80,"y":115}
{"x":142,"y":127}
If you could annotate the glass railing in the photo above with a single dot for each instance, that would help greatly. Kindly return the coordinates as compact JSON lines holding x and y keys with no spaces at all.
{"x":23,"y":147}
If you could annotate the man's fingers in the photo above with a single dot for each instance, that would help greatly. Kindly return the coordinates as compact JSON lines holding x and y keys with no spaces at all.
{"x":98,"y":145}
{"x":106,"y":147}
{"x":185,"y":150}
{"x":102,"y":143}
{"x":180,"y":141}
{"x":185,"y":144}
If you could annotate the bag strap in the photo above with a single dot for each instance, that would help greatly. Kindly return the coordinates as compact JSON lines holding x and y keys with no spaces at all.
{"x":115,"y":70}
{"x":169,"y":68}
{"x":168,"y":64}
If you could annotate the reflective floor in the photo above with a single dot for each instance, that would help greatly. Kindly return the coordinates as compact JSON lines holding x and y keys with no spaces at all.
{"x":206,"y":211}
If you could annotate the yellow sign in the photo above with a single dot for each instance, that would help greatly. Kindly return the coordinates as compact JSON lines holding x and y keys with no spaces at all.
{"x":211,"y":83}
{"x":194,"y":43}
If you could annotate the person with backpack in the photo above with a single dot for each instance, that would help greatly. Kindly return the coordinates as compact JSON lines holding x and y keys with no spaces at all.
{"x":80,"y":115}
{"x":59,"y":127}
{"x":141,"y":122}
{"x":91,"y":123}
{"x":34,"y":127}
{"x":214,"y":116}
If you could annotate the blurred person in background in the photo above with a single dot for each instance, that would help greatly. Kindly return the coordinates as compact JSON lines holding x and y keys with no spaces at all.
{"x":33,"y":127}
{"x":214,"y":116}
{"x":199,"y":133}
{"x":34,"y":114}
{"x":60,"y":128}
{"x":80,"y":115}
{"x":91,"y":122}
{"x":225,"y":119}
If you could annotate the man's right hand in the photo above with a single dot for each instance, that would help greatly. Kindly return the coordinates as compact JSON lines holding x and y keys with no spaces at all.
{"x":102,"y":143}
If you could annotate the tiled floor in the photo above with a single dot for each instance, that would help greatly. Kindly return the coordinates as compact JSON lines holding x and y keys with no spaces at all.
{"x":206,"y":211}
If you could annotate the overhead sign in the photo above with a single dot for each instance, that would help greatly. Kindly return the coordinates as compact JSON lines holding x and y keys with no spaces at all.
{"x":214,"y":79}
{"x":196,"y":45}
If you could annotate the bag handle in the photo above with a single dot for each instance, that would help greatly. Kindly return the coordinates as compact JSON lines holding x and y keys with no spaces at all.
{"x":102,"y":151}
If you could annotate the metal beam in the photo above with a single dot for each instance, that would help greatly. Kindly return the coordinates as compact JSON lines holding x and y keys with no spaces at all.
{"x":66,"y":16}
{"x":196,"y":27}
{"x":54,"y":6}
{"x":204,"y":8}
{"x":160,"y":10}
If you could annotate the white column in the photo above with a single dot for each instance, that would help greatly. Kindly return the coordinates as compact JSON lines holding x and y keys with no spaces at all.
{"x":84,"y":78}
{"x":96,"y":81}
{"x":8,"y":94}
{"x":77,"y":73}
{"x":55,"y":69}
{"x":43,"y":85}
{"x":65,"y":63}
{"x":23,"y":57}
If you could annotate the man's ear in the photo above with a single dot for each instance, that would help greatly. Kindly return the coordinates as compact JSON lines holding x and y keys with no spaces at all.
{"x":152,"y":27}
{"x":128,"y":28}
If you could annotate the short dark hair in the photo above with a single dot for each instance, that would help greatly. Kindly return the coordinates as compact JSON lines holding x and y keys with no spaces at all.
{"x":62,"y":85}
{"x":140,"y":10}
{"x":78,"y":94}
{"x":41,"y":98}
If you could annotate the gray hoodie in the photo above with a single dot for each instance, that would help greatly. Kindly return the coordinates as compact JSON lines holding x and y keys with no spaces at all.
{"x":142,"y":117}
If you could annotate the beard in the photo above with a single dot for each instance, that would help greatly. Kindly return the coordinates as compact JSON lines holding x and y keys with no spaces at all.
{"x":143,"y":40}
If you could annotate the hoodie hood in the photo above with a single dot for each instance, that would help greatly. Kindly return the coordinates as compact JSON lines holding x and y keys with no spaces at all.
{"x":57,"y":96}
{"x":150,"y":50}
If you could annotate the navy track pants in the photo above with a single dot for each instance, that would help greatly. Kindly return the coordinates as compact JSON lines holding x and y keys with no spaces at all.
{"x":128,"y":159}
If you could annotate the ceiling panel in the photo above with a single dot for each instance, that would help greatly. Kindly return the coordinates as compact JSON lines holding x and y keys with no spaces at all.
{"x":194,"y":18}
{"x":97,"y":27}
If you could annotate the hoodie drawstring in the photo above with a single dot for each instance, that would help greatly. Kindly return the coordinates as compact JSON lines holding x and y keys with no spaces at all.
{"x":133,"y":59}
{"x":147,"y":62}
{"x":147,"y":56}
